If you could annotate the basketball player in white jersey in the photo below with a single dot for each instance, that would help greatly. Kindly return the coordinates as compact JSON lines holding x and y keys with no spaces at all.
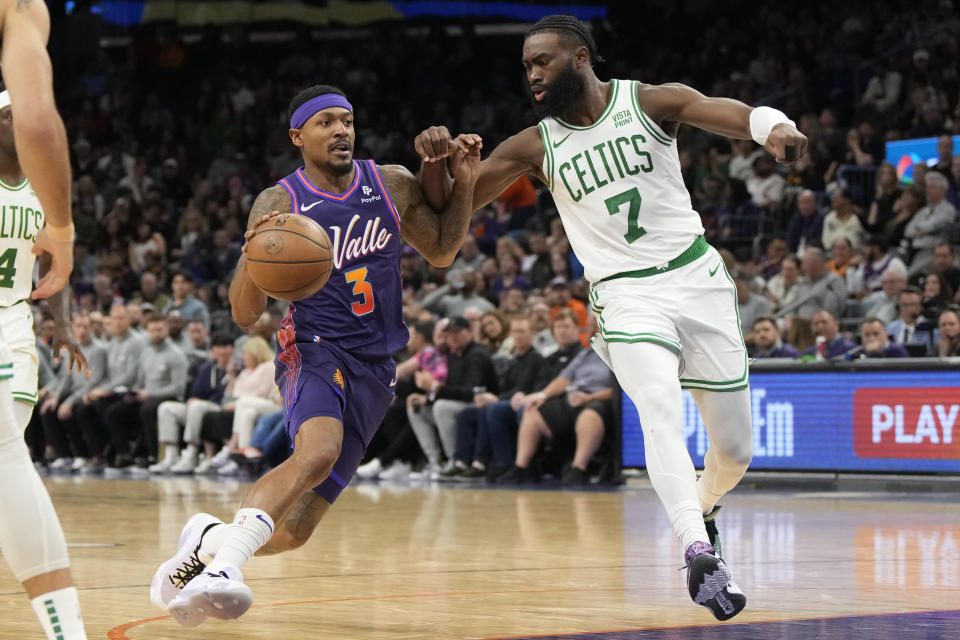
{"x":667,"y":307}
{"x":34,"y":218}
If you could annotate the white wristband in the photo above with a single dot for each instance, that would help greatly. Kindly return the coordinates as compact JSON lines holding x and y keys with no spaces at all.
{"x":763,"y":120}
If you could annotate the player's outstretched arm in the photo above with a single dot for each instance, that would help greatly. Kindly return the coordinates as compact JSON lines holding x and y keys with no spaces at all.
{"x":437,"y":236}
{"x":247,"y":302}
{"x":676,"y":102}
{"x":517,"y":155}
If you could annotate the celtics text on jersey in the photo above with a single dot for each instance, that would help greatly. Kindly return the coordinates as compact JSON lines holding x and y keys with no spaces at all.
{"x":618,"y":188}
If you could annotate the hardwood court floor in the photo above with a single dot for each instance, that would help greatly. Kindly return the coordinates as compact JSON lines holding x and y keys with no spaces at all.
{"x":451,"y":564}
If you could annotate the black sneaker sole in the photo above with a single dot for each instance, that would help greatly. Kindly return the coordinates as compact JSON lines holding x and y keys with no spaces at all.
{"x":710,"y":585}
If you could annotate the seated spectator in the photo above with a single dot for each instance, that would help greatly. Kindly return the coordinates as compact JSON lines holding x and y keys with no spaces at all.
{"x":520,"y":377}
{"x":559,"y":297}
{"x":509,"y":276}
{"x":766,"y":185}
{"x":150,"y":293}
{"x":543,"y":341}
{"x":393,"y":449}
{"x":944,"y":264}
{"x":195,"y":344}
{"x":888,"y":192}
{"x":161,"y":376}
{"x":514,"y":302}
{"x":876,"y":343}
{"x":767,"y":342}
{"x":255,"y":382}
{"x":825,"y":326}
{"x":926,"y":228}
{"x":518,"y":202}
{"x":574,"y":406}
{"x":780,"y":285}
{"x":206,"y":394}
{"x":776,"y":251}
{"x":494,"y":330}
{"x":911,"y":329}
{"x":949,"y":343}
{"x":123,"y":358}
{"x":843,"y":258}
{"x":536,"y":263}
{"x":57,"y":411}
{"x":469,"y":256}
{"x":877,"y":258}
{"x":433,"y":410}
{"x":817,"y":289}
{"x":842,"y":221}
{"x":461,"y":293}
{"x":883,"y":304}
{"x":749,"y":306}
{"x":904,"y":208}
{"x":937,"y":294}
{"x":806,"y":224}
{"x":184,"y":302}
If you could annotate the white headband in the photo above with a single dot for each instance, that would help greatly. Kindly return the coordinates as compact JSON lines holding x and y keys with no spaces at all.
{"x":4,"y":99}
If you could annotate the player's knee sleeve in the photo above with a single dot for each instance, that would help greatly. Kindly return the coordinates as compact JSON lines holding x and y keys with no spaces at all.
{"x":30,"y":534}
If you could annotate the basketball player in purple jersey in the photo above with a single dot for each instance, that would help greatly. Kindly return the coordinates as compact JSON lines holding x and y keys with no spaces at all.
{"x":334,"y":369}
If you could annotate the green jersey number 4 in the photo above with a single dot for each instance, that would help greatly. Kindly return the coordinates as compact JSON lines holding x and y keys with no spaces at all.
{"x":631,"y":197}
{"x":7,"y":268}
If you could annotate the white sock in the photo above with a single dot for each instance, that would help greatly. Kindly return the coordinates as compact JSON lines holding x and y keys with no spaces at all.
{"x":59,"y":614}
{"x":212,"y":541}
{"x":251,"y":529}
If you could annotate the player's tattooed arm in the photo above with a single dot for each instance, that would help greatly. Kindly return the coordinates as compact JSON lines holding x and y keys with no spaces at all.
{"x":438,"y":236}
{"x":247,"y":302}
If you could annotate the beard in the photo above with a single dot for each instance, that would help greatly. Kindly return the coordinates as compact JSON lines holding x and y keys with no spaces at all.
{"x":563,"y":93}
{"x":341,"y":168}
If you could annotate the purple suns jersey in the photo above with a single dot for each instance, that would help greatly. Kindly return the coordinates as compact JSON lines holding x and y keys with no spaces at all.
{"x":360,"y":309}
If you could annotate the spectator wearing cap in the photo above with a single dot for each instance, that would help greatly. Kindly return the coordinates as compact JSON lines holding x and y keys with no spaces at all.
{"x":433,"y":410}
{"x":183,"y":301}
{"x":519,"y":378}
{"x":806,"y":224}
{"x":927,"y":227}
{"x":767,"y":341}
{"x":911,"y":328}
{"x":749,"y":305}
{"x":825,"y":326}
{"x":876,"y":343}
{"x":877,"y":258}
{"x":842,"y":221}
{"x":559,"y":297}
{"x":819,"y":288}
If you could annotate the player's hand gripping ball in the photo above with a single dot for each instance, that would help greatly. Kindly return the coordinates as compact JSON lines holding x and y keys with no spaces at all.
{"x":289,"y":256}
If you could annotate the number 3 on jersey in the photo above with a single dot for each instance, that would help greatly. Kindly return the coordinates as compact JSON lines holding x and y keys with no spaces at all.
{"x":631,"y":196}
{"x":360,"y":288}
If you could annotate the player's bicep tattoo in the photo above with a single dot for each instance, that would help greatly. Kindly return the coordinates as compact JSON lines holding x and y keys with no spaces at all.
{"x":272,"y":199}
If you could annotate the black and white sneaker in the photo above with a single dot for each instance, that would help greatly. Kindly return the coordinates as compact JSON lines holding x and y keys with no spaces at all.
{"x":709,"y":521}
{"x":710,"y":584}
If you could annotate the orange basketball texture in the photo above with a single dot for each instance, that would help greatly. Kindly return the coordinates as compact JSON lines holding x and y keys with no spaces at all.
{"x":290,"y":257}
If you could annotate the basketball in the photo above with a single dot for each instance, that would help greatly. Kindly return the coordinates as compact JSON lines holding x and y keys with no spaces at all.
{"x":290,"y":257}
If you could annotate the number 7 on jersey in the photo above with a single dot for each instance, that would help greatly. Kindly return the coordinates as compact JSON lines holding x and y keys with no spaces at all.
{"x":631,"y":196}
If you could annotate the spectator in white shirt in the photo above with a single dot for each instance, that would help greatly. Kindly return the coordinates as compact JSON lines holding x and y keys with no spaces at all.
{"x":842,"y":221}
{"x":929,"y":223}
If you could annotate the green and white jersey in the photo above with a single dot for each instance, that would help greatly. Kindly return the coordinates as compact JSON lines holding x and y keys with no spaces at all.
{"x":618,"y":188}
{"x":21,"y":218}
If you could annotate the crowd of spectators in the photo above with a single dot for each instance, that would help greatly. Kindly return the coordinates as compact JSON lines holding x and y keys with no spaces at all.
{"x":172,"y":138}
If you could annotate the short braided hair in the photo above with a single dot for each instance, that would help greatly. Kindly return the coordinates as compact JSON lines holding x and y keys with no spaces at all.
{"x":569,"y":27}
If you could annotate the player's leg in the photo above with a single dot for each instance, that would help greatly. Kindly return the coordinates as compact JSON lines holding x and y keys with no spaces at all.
{"x":296,"y":527}
{"x":30,"y":533}
{"x":647,"y":372}
{"x":726,"y":416}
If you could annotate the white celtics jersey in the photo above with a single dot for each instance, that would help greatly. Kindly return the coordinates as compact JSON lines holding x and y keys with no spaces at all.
{"x":618,"y":188}
{"x":21,"y":218}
